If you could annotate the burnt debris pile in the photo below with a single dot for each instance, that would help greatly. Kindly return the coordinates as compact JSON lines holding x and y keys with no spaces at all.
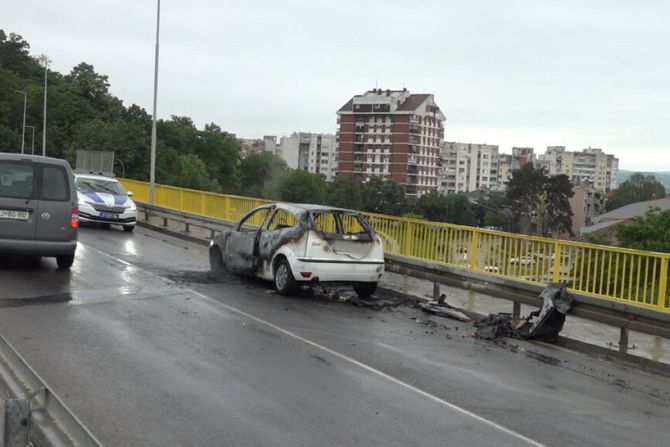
{"x":544,"y":323}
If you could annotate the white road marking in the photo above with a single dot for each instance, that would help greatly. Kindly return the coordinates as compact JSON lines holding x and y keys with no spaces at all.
{"x":344,"y":357}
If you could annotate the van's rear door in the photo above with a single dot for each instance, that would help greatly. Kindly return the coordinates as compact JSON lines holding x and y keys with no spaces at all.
{"x":55,"y":204}
{"x":18,"y":203}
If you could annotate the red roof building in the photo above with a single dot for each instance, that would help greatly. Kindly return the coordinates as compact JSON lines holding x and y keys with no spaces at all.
{"x":391,"y":134}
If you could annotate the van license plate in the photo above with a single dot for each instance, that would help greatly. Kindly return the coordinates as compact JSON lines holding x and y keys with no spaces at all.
{"x":109,"y":216}
{"x":12,"y":214}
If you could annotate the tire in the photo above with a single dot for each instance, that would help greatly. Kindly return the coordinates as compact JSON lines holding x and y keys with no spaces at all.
{"x":285,"y":283}
{"x":128,"y":228}
{"x":216,"y":264}
{"x":365,"y":289}
{"x":64,"y":262}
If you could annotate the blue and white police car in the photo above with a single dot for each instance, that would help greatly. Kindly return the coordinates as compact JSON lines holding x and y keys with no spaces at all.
{"x":103,"y":200}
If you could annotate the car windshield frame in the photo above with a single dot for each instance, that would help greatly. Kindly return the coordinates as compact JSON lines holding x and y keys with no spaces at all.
{"x":99,"y":186}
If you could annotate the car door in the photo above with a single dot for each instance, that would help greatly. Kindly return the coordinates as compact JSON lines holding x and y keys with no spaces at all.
{"x":242,"y":243}
{"x":18,"y":202}
{"x":280,"y":229}
{"x":55,"y":204}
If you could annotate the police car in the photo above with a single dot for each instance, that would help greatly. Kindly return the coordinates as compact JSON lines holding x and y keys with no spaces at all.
{"x":102,"y":199}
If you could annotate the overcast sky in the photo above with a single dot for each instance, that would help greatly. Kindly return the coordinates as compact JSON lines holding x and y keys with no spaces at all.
{"x":513,"y":73}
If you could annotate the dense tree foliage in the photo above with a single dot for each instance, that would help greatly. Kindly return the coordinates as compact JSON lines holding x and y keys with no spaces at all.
{"x":637,"y":188}
{"x":83,"y":114}
{"x":539,"y":204}
{"x":302,"y":187}
{"x":650,"y":232}
{"x":451,"y":208}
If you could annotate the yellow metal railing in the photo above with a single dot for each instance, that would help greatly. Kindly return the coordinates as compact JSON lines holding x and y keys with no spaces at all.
{"x":633,"y":277}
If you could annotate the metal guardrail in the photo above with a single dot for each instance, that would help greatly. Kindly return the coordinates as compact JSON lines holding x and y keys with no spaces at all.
{"x":614,"y":313}
{"x":610,"y":274}
{"x":52,"y":422}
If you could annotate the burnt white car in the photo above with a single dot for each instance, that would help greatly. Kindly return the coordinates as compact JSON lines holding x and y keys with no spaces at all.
{"x":297,"y":245}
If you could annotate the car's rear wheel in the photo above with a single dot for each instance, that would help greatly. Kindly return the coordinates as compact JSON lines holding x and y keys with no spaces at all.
{"x":365,"y":289}
{"x":216,"y":260}
{"x":64,"y":262}
{"x":285,"y":283}
{"x":128,"y":228}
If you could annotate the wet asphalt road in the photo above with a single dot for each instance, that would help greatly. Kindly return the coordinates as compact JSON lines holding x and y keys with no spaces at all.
{"x":147,"y":350}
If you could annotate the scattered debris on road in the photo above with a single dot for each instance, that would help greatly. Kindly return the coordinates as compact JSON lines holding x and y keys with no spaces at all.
{"x":548,"y":322}
{"x":443,"y":309}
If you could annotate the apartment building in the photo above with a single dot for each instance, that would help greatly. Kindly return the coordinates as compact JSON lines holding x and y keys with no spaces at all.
{"x":392,"y":134}
{"x":323,"y":157}
{"x":313,"y":152}
{"x":592,"y":165}
{"x":294,"y":150}
{"x":551,"y":159}
{"x":467,"y":167}
{"x":587,"y":203}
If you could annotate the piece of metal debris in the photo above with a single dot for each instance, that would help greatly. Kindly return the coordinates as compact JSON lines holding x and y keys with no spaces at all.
{"x":443,"y":309}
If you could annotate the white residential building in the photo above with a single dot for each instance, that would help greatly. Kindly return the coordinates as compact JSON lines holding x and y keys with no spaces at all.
{"x":468,"y":167}
{"x":323,"y":156}
{"x":313,"y":152}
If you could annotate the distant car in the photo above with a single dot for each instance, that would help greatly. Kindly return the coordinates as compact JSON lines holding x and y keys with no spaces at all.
{"x":103,"y":200}
{"x":302,"y":244}
{"x":38,"y":208}
{"x":522,"y":260}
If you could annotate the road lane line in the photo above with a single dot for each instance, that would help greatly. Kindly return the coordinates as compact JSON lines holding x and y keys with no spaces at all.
{"x":344,"y":357}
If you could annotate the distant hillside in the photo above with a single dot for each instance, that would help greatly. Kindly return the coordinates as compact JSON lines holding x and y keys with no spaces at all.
{"x":663,"y":177}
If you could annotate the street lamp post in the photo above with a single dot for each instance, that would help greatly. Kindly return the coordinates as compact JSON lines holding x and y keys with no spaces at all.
{"x":33,"y":140}
{"x":152,"y":169}
{"x":45,"y":59}
{"x":23,"y":129}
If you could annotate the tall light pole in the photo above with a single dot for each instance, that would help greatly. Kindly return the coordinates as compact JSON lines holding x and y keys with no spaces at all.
{"x":45,"y":59}
{"x":33,"y":140}
{"x":152,"y":169}
{"x":23,"y":129}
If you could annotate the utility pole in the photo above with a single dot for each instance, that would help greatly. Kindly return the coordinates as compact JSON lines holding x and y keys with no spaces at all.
{"x":23,"y":129}
{"x":33,"y":140}
{"x":152,"y":170}
{"x":45,"y":59}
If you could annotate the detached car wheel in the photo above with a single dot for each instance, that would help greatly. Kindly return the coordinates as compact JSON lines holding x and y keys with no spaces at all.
{"x":365,"y":289}
{"x":64,"y":262}
{"x":284,"y":281}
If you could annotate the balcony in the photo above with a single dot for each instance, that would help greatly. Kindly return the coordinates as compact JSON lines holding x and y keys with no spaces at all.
{"x":411,"y":160}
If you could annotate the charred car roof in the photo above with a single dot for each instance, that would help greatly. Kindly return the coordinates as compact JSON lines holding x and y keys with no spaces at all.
{"x":298,"y":208}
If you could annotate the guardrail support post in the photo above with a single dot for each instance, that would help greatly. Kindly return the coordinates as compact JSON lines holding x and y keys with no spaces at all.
{"x":474,"y":251}
{"x":165,"y":221}
{"x":623,"y":340}
{"x":663,"y":284}
{"x":146,"y":214}
{"x":557,"y":262}
{"x":436,"y":290}
{"x":516,"y":309}
{"x":408,"y":242}
{"x":187,"y":227}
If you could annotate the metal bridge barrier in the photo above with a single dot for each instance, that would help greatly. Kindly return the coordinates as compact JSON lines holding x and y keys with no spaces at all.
{"x":618,"y":275}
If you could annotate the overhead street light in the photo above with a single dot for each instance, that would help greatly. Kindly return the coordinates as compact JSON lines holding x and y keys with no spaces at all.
{"x":45,"y":60}
{"x":23,"y":128}
{"x":33,"y":140}
{"x":152,"y":169}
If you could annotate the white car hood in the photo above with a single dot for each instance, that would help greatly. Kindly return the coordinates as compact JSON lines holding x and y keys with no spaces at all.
{"x":101,"y":198}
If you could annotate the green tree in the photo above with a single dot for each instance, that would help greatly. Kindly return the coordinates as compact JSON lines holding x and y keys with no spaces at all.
{"x":346,"y":192}
{"x":637,"y":188}
{"x":650,"y":232}
{"x":539,"y":203}
{"x":302,"y":187}
{"x":260,"y":175}
{"x":385,"y":197}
